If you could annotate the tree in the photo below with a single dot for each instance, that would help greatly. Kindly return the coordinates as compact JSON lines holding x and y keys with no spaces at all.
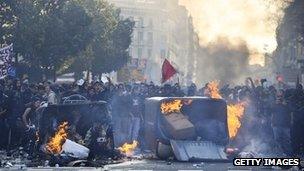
{"x":116,"y":52}
{"x":6,"y":20}
{"x":66,"y":35}
{"x":46,"y":33}
{"x":108,"y":49}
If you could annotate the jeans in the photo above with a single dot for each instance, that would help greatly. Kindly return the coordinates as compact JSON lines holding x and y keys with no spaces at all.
{"x":120,"y":132}
{"x":134,"y":131}
{"x":283,"y":139}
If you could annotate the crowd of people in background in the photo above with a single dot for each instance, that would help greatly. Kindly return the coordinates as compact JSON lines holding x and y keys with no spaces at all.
{"x":277,"y":109}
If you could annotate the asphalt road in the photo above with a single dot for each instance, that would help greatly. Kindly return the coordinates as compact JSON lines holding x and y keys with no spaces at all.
{"x":147,"y":165}
{"x":163,"y":165}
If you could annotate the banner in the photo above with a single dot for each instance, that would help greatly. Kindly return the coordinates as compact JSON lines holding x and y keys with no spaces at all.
{"x":6,"y":61}
{"x":167,"y":71}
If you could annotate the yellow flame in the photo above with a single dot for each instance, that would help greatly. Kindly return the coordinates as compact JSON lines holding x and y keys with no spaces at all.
{"x":171,"y":106}
{"x":55,"y":143}
{"x":253,"y":22}
{"x":214,"y":90}
{"x":235,"y":114}
{"x":128,"y":149}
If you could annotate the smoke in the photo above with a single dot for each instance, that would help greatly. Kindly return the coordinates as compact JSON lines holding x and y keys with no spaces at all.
{"x":249,"y":22}
{"x":223,"y":61}
{"x":260,"y":142}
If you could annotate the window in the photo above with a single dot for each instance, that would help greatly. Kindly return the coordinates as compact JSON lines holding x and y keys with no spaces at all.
{"x":163,"y":53}
{"x":140,"y":36}
{"x":162,"y":24}
{"x":150,"y":38}
{"x":139,"y":53}
{"x":150,"y":23}
{"x":149,"y":53}
{"x":163,"y":39}
{"x":141,"y":22}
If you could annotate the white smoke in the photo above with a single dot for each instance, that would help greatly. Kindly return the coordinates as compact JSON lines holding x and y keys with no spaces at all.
{"x":251,"y":21}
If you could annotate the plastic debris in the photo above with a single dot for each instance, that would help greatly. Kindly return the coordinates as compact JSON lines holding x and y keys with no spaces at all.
{"x":75,"y":150}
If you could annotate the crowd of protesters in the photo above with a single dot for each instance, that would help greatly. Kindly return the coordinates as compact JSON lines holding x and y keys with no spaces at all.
{"x":277,"y":109}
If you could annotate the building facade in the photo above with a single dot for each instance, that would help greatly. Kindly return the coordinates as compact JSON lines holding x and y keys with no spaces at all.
{"x":289,"y":58}
{"x":162,"y":30}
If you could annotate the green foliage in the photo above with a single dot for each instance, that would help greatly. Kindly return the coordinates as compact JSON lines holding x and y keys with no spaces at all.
{"x":66,"y":35}
{"x":108,"y":48}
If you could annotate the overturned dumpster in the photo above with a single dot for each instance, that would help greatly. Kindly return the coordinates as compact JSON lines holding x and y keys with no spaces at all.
{"x":188,"y":128}
{"x":63,"y":130}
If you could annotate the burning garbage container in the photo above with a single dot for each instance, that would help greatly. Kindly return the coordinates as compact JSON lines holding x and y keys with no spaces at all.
{"x":195,"y":128}
{"x":175,"y":122}
{"x":64,"y":129}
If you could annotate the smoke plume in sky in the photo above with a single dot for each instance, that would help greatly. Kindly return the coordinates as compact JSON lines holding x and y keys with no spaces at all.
{"x":251,"y":21}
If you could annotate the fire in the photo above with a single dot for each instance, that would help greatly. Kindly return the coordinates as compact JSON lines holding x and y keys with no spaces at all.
{"x":235,"y":113}
{"x":171,"y":106}
{"x":214,"y":90}
{"x":55,"y":143}
{"x":128,"y":149}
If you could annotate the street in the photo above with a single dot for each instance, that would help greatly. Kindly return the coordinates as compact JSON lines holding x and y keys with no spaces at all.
{"x":164,"y":165}
{"x":158,"y":165}
{"x":151,"y":85}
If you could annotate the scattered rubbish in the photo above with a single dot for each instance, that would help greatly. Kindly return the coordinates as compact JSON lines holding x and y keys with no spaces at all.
{"x":249,"y":154}
{"x":199,"y":164}
{"x":8,"y":165}
{"x":75,"y":150}
{"x":47,"y":163}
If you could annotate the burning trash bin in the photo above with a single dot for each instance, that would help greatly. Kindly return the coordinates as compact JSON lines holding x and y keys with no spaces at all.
{"x":63,"y":130}
{"x":177,"y":124}
{"x":59,"y":144}
{"x":191,"y":128}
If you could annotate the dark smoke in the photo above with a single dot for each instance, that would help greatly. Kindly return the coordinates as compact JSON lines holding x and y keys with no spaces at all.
{"x":222,"y":61}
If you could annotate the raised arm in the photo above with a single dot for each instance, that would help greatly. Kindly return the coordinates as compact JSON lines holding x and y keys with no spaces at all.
{"x":25,"y":116}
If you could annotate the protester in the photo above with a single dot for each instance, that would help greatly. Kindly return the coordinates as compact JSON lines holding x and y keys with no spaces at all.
{"x":29,"y":115}
{"x":268,"y":112}
{"x":281,"y":123}
{"x":50,"y":94}
{"x":96,"y":140}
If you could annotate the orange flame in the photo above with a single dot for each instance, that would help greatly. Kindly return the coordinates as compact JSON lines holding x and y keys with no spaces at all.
{"x":55,"y":143}
{"x":128,"y":149}
{"x":171,"y":106}
{"x":235,"y":112}
{"x":214,"y":90}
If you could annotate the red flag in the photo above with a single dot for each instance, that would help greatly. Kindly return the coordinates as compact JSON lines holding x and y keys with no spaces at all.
{"x":167,"y":71}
